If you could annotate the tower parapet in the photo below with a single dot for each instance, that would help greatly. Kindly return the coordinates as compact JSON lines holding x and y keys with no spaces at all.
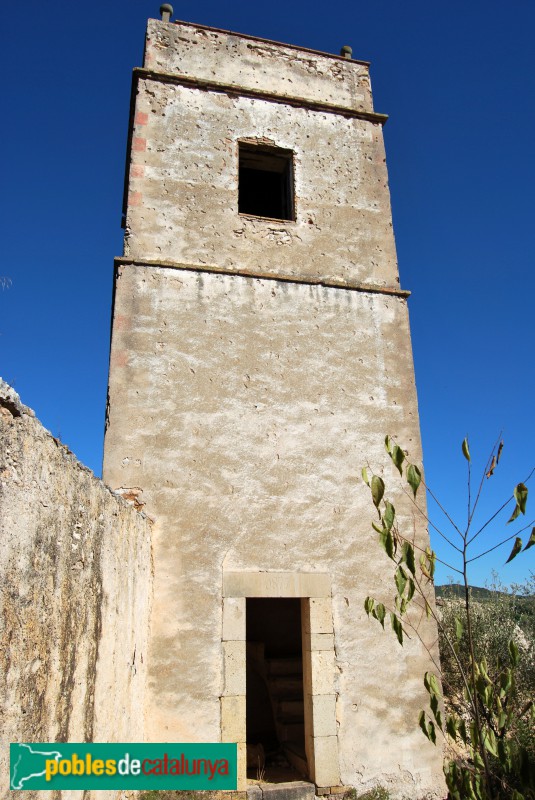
{"x":214,"y":110}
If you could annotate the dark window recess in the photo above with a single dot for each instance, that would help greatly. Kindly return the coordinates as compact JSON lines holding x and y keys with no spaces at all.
{"x":265,"y":186}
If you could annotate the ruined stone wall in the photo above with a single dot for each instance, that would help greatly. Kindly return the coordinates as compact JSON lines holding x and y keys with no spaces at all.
{"x":75,"y":584}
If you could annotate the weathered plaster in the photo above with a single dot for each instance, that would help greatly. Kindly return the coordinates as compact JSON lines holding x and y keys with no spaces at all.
{"x":184,"y":184}
{"x":75,"y":584}
{"x":244,"y":62}
{"x":244,"y":406}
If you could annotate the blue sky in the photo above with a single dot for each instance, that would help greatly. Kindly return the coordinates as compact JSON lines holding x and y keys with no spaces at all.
{"x":457,"y":80}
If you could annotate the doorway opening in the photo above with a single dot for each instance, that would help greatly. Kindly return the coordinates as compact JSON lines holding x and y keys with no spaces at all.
{"x":275,"y":715}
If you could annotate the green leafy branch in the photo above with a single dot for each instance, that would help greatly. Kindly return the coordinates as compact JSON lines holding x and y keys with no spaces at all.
{"x":488,"y":714}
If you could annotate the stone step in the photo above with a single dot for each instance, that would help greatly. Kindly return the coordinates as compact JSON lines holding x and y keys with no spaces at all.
{"x":291,"y":731}
{"x":290,"y":707}
{"x":285,"y":666}
{"x":295,"y":790}
{"x":287,"y":686}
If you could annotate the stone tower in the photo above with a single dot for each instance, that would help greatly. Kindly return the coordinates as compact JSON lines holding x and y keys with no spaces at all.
{"x":260,"y":353}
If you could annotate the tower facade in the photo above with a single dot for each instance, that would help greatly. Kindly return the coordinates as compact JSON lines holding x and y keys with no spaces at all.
{"x":260,"y":353}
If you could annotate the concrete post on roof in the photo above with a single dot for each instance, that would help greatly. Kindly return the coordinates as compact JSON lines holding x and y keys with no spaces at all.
{"x":166,"y":12}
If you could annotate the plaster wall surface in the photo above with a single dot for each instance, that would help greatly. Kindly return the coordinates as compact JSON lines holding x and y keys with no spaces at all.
{"x":75,"y":584}
{"x":251,"y":63}
{"x":256,"y":365}
{"x":183,"y":187}
{"x":245,"y":409}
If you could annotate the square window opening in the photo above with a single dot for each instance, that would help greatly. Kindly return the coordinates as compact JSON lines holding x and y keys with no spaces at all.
{"x":265,"y":182}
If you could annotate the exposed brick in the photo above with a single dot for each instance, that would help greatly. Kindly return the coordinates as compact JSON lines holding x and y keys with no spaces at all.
{"x":137,"y":170}
{"x":121,"y":321}
{"x":139,"y":144}
{"x":119,"y":359}
{"x":141,"y":118}
{"x":135,"y":198}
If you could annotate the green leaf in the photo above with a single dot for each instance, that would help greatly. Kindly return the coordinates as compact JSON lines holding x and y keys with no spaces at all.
{"x":463,"y":732}
{"x":504,"y":752}
{"x":386,"y":541}
{"x":474,"y":736}
{"x":401,"y":581}
{"x":517,"y":547}
{"x":378,"y":490}
{"x":489,"y":740}
{"x":521,"y":496}
{"x":488,"y":696}
{"x":408,"y":556}
{"x":388,"y":445}
{"x":424,"y":569}
{"x":422,"y":723}
{"x":427,"y":563}
{"x":427,"y":728}
{"x":397,"y":627}
{"x":414,"y":477}
{"x":432,"y":558}
{"x":531,"y":540}
{"x":431,"y":683}
{"x":380,"y":612}
{"x":398,"y":457}
{"x":369,"y":604}
{"x":366,"y":476}
{"x":466,"y":451}
{"x":377,"y":528}
{"x":477,"y":778}
{"x":514,"y":515}
{"x":427,"y":609}
{"x":506,"y":682}
{"x":451,"y":727}
{"x":481,"y":685}
{"x":520,"y":493}
{"x":458,"y":629}
{"x":513,"y":651}
{"x":436,"y":710}
{"x":410,"y":593}
{"x":389,"y":515}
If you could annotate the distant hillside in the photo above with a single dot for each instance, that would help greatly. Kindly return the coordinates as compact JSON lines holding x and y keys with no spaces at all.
{"x":456,"y":590}
{"x":524,"y":605}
